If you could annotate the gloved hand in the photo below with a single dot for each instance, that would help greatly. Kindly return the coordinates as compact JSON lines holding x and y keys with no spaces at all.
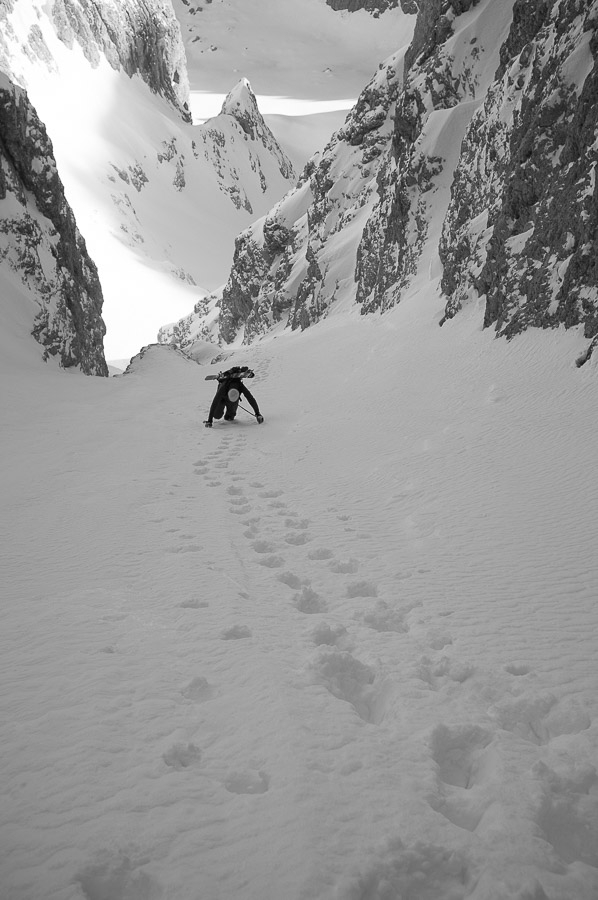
{"x":260,"y":419}
{"x":208,"y":424}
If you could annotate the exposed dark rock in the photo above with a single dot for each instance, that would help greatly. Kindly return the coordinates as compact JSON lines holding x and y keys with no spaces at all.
{"x":433,"y":26}
{"x":142,"y":36}
{"x":44,"y":246}
{"x":534,"y":257}
{"x":518,"y":95}
{"x":250,"y":265}
{"x":307,"y":308}
{"x":373,"y":6}
{"x":241,"y":104}
{"x":397,"y":229}
{"x":276,"y":269}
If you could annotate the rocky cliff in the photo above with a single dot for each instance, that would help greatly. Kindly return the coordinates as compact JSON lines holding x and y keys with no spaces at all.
{"x":471,"y":155}
{"x":373,"y":6}
{"x":522,"y":226}
{"x":292,"y":263}
{"x":241,"y":121}
{"x":40,"y":242}
{"x":140,"y":36}
{"x":158,"y":198}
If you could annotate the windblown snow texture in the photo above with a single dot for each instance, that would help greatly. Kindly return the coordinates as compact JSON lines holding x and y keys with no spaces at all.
{"x":348,"y":654}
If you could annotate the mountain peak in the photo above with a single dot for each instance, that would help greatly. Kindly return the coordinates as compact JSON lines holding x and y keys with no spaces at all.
{"x":241,"y":104}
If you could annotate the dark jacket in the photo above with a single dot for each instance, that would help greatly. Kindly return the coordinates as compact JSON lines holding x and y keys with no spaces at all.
{"x":221,"y":401}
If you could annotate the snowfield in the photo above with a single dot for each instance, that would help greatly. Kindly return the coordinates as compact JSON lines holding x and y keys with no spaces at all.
{"x":349,"y":654}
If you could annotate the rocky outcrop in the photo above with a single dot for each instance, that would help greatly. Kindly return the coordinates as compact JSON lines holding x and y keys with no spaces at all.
{"x":288,"y":266}
{"x":471,"y":154}
{"x":373,"y":6}
{"x":140,"y":36}
{"x":521,"y":230}
{"x":241,"y":105}
{"x":240,"y":110}
{"x":361,"y":214}
{"x":40,"y":242}
{"x":443,"y":80}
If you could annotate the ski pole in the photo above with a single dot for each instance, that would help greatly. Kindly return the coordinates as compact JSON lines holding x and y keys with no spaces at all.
{"x":260,"y":419}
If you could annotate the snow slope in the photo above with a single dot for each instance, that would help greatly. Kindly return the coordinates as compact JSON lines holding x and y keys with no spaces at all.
{"x":300,"y":49}
{"x":350,"y":653}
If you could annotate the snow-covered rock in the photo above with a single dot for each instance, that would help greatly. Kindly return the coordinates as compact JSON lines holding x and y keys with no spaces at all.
{"x":468,"y":163}
{"x":294,"y":261}
{"x":373,"y":6}
{"x":140,"y":36}
{"x":158,"y":199}
{"x":521,"y":230}
{"x":40,"y":244}
{"x":240,"y":121}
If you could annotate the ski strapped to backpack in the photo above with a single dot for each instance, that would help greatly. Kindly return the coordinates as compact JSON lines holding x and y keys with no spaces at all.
{"x":236,"y":372}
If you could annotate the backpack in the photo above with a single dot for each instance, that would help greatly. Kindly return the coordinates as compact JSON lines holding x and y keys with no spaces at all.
{"x":239,"y":372}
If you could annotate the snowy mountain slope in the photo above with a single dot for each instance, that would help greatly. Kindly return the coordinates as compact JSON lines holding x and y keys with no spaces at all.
{"x":443,"y":174}
{"x":158,"y":199}
{"x":338,"y":220}
{"x":451,"y":64}
{"x":49,"y":284}
{"x":140,"y":37}
{"x":274,"y":265}
{"x":289,"y":48}
{"x":348,"y":654}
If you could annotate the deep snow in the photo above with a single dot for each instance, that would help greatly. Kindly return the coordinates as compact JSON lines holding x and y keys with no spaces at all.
{"x":350,"y":653}
{"x":346,"y":655}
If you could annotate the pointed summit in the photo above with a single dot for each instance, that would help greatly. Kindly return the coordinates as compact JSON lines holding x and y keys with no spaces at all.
{"x":241,"y":104}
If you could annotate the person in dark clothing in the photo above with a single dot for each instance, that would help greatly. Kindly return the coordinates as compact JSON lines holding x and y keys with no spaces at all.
{"x":230,"y":390}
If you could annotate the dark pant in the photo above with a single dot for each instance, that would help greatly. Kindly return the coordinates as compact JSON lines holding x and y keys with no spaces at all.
{"x":226,"y":406}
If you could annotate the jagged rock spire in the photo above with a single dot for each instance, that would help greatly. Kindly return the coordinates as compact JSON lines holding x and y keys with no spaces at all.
{"x":241,"y":104}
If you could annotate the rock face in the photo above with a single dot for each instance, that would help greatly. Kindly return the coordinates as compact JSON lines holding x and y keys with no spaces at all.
{"x":521,"y":229}
{"x":40,"y":242}
{"x":472,"y":154}
{"x":290,"y":264}
{"x":445,"y":68}
{"x":140,"y":36}
{"x":240,"y":110}
{"x":373,"y":6}
{"x":146,"y":185}
{"x":241,"y":105}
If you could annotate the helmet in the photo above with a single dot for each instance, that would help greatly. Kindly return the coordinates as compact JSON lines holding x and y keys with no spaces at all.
{"x":233,"y":395}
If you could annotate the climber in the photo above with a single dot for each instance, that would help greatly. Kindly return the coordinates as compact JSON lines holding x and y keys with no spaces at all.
{"x":230,"y":390}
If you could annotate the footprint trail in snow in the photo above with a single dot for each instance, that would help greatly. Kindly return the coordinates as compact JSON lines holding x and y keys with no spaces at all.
{"x":253,"y":663}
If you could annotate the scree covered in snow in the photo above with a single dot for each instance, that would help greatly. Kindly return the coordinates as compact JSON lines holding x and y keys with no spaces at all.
{"x":349,"y":654}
